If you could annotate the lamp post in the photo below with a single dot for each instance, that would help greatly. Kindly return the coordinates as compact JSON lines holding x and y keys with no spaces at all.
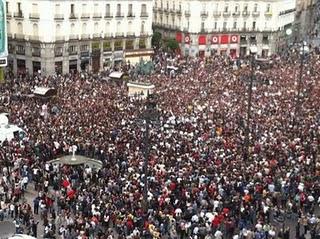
{"x":253,"y":52}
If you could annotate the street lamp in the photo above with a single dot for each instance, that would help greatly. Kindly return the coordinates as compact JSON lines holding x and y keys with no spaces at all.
{"x":253,"y":52}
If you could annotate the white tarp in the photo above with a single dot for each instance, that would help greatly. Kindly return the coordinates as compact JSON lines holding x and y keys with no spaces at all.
{"x":116,"y":75}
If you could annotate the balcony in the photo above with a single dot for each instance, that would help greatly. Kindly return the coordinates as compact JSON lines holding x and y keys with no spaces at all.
{"x":97,"y":15}
{"x":216,"y":14}
{"x":72,"y":53}
{"x":58,"y":53}
{"x":85,"y":16}
{"x":243,"y":41}
{"x":255,"y":14}
{"x":178,"y":12}
{"x":9,"y":15}
{"x":119,"y":15}
{"x":172,"y":11}
{"x":265,"y":41}
{"x":19,"y":36}
{"x":34,"y":38}
{"x":245,"y":14}
{"x":36,"y":53}
{"x":108,"y":15}
{"x":96,"y":35}
{"x":108,"y":35}
{"x":187,"y":13}
{"x":144,"y":34}
{"x":18,"y":15}
{"x":130,"y":15}
{"x":58,"y":16}
{"x":130,"y":34}
{"x":34,"y":16}
{"x":268,"y":14}
{"x":20,"y":51}
{"x":74,"y":37}
{"x":204,"y":14}
{"x":119,"y":34}
{"x":59,"y":38}
{"x":85,"y":36}
{"x":144,"y":14}
{"x":73,"y":16}
{"x":236,"y":14}
{"x":226,"y":14}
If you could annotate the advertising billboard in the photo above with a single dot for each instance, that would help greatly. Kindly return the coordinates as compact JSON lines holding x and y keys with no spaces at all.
{"x":3,"y":34}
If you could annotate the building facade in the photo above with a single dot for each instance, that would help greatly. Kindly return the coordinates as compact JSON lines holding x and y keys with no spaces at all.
{"x":61,"y":36}
{"x":205,"y":27}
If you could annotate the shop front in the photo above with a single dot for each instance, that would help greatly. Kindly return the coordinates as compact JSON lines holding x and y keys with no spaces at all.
{"x":95,"y":56}
{"x":107,"y":60}
{"x":85,"y":61}
{"x":73,"y":65}
{"x":21,"y":66}
{"x":36,"y":67}
{"x":58,"y":66}
{"x":134,"y":56}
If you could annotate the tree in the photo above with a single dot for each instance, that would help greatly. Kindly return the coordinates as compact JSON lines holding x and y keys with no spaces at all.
{"x":172,"y":44}
{"x":156,"y":39}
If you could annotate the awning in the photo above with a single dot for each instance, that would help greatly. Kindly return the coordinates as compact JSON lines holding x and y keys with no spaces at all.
{"x":116,"y":75}
{"x":44,"y":92}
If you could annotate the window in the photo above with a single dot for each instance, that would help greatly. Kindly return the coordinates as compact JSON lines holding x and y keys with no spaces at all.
{"x":143,"y":9}
{"x":255,"y":9}
{"x":20,"y":28}
{"x":73,"y":49}
{"x":130,"y":14}
{"x":236,"y":8}
{"x":72,"y":28}
{"x":234,"y":25}
{"x":244,"y":25}
{"x":96,"y":27}
{"x":57,"y":8}
{"x":216,"y":8}
{"x":118,"y":27}
{"x":118,"y":9}
{"x":215,"y":25}
{"x":202,"y":26}
{"x":84,"y":48}
{"x":245,"y":8}
{"x":84,"y":28}
{"x":72,"y":9}
{"x":7,"y":7}
{"x":224,"y":25}
{"x":84,"y":8}
{"x":108,"y":9}
{"x":268,"y":7}
{"x":96,"y":8}
{"x":34,"y":7}
{"x":58,"y":51}
{"x":254,"y":25}
{"x":58,"y":29}
{"x":142,"y":27}
{"x":20,"y":50}
{"x":19,"y":7}
{"x":226,"y":8}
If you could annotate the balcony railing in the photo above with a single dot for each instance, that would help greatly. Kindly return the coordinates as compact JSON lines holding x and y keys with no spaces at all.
{"x":36,"y":53}
{"x":58,"y":16}
{"x":216,"y":14}
{"x":236,"y":14}
{"x":130,"y":15}
{"x":268,"y":14}
{"x":34,"y":16}
{"x":179,"y":12}
{"x":72,"y":53}
{"x":85,"y":15}
{"x":85,"y":36}
{"x":18,"y":15}
{"x":108,"y":15}
{"x":108,"y":35}
{"x":19,"y":36}
{"x":119,"y":15}
{"x":58,"y":53}
{"x":73,"y":16}
{"x":97,"y":15}
{"x":119,"y":34}
{"x":245,"y":13}
{"x":9,"y":35}
{"x":204,"y":14}
{"x":144,"y":14}
{"x":226,"y":14}
{"x":265,"y":41}
{"x":187,"y":13}
{"x":20,"y":52}
{"x":59,"y":38}
{"x":256,"y":14}
{"x":34,"y":38}
{"x":73,"y":37}
{"x":243,"y":41}
{"x":130,"y":34}
{"x":9,"y":15}
{"x":96,"y":35}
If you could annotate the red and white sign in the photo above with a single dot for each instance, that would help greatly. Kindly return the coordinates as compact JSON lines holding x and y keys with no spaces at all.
{"x":234,"y":39}
{"x":187,"y":39}
{"x":214,"y":39}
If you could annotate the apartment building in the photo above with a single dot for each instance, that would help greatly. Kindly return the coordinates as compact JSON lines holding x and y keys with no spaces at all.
{"x":61,"y":36}
{"x":225,"y":27}
{"x":306,"y":17}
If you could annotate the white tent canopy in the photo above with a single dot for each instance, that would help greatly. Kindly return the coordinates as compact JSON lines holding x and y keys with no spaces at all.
{"x":116,"y":75}
{"x":44,"y":91}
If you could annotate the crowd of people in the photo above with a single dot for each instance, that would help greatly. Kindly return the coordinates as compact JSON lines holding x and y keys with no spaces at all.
{"x":200,"y":184}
